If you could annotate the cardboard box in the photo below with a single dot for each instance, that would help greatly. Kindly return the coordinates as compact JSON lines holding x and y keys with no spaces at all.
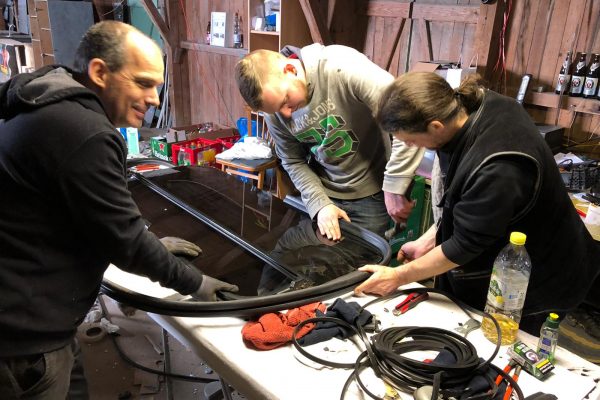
{"x":530,"y":360}
{"x":449,"y":70}
{"x":206,"y":130}
{"x":160,"y":148}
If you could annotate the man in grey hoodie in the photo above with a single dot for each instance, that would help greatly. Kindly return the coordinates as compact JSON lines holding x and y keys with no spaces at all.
{"x":65,"y":211}
{"x":320,"y":103}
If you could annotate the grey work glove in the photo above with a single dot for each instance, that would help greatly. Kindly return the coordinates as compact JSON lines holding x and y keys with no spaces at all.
{"x":179,"y":246}
{"x":209,"y":287}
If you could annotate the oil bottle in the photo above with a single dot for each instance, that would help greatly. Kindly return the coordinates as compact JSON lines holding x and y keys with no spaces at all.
{"x":508,"y":287}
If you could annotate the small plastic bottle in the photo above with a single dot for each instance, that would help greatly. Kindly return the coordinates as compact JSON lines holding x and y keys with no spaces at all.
{"x":183,"y":158}
{"x":548,"y":337}
{"x":508,"y":287}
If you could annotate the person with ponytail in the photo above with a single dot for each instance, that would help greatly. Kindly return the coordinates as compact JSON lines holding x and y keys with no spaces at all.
{"x":498,"y":176}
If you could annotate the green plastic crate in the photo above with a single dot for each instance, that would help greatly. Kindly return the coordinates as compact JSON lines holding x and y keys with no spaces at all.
{"x":413,"y":225}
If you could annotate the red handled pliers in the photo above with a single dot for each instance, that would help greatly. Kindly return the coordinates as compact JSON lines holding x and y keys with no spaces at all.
{"x":410,"y":302}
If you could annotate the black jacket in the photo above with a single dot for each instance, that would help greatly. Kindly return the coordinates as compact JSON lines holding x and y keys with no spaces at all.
{"x":502,"y":177}
{"x":65,"y":212}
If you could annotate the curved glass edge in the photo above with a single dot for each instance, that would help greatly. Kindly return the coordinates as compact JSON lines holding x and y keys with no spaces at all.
{"x":252,"y":306}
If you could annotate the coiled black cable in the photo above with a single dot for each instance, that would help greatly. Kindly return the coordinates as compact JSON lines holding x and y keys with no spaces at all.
{"x":385,"y":354}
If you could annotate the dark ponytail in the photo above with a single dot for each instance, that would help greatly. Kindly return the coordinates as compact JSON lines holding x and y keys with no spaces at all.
{"x":415,"y":99}
{"x":470,"y":92}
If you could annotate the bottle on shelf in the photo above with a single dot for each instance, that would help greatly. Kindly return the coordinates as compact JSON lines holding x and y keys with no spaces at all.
{"x":508,"y":287}
{"x":238,"y":38}
{"x":523,"y":88}
{"x":183,"y":158}
{"x":564,"y":76}
{"x":548,"y":337}
{"x":207,"y":40}
{"x":578,"y":76}
{"x":590,"y":86}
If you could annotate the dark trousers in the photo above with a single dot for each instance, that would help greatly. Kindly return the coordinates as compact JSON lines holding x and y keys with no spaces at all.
{"x":49,"y":376}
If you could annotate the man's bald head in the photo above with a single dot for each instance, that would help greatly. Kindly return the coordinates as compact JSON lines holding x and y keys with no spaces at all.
{"x":110,"y":42}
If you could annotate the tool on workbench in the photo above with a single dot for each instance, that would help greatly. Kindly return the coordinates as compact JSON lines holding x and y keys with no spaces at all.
{"x":400,"y":226}
{"x":511,"y":364}
{"x":509,"y":389}
{"x":468,"y":327}
{"x":410,"y":302}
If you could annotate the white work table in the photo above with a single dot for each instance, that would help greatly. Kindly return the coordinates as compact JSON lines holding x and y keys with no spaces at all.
{"x":278,"y":374}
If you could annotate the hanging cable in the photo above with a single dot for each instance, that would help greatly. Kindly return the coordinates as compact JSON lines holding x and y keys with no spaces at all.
{"x":501,"y":62}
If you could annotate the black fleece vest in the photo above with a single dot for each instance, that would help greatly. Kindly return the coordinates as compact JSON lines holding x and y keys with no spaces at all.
{"x":565,"y":259}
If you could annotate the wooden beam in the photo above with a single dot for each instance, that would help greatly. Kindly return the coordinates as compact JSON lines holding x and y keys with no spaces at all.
{"x":228,"y":51}
{"x":487,"y":35}
{"x":157,"y":20}
{"x":330,"y":11}
{"x":388,"y":9}
{"x":424,"y":39}
{"x":395,"y":45}
{"x":552,"y":100}
{"x":454,"y":13}
{"x":178,"y":66}
{"x":318,"y":28}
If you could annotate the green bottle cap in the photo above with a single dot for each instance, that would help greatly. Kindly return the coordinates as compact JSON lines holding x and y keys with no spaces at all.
{"x":552,"y":321}
{"x":518,"y":238}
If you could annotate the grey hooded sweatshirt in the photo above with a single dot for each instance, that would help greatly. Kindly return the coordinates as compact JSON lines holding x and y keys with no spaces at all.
{"x":333,"y":147}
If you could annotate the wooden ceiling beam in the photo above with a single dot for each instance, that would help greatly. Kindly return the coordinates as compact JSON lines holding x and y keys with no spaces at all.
{"x":157,"y":20}
{"x":487,"y":36}
{"x":318,"y":28}
{"x":440,"y":13}
{"x":388,"y":9}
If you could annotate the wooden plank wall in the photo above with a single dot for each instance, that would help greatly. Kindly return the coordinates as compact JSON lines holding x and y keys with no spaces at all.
{"x":213,"y":93}
{"x":539,"y":34}
{"x":380,"y":28}
{"x":393,"y":42}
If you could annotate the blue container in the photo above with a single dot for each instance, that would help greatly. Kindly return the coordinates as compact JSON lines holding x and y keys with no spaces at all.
{"x":271,"y":19}
{"x":242,"y":127}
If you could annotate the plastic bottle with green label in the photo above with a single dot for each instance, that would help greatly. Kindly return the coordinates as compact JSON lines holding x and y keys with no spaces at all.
{"x":549,"y":337}
{"x":508,"y":287}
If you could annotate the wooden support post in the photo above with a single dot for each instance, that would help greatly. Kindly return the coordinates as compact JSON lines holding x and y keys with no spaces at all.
{"x":487,"y":36}
{"x":318,"y":27}
{"x":177,"y":67}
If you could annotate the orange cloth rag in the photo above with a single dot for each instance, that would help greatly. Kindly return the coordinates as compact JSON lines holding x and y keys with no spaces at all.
{"x":275,"y":329}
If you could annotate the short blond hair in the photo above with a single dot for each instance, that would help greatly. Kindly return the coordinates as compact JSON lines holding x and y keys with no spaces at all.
{"x":253,"y":70}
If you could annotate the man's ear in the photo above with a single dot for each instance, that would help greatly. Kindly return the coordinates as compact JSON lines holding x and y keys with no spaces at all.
{"x":435,"y":126}
{"x":98,"y":72}
{"x":290,"y":68}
